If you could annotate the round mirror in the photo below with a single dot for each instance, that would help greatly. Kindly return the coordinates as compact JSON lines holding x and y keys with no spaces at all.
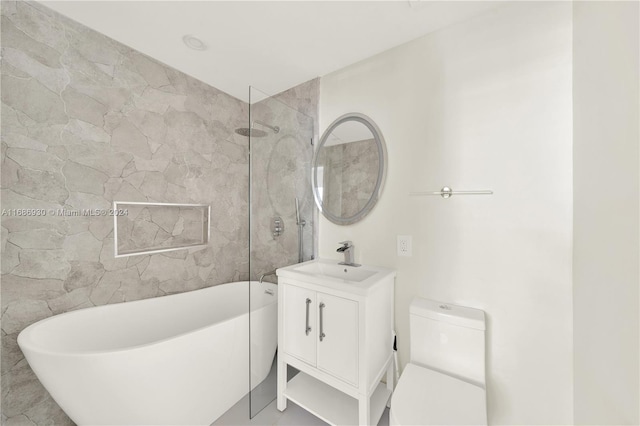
{"x":349,"y":168}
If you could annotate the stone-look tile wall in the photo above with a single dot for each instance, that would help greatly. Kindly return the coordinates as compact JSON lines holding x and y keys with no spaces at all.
{"x":86,"y":121}
{"x":350,"y":174}
{"x":280,"y":173}
{"x":305,"y":98}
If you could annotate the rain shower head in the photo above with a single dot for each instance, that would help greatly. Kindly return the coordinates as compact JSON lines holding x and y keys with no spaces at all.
{"x":256,"y":133}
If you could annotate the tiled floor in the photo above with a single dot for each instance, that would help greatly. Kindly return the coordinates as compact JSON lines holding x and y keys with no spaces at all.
{"x":294,"y":415}
{"x":238,"y":415}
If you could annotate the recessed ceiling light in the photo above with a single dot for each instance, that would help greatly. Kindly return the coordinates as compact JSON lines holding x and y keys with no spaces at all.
{"x":194,"y":42}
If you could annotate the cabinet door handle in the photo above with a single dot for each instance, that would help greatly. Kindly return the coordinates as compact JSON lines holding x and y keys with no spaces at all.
{"x":307,"y":329}
{"x":322,"y":335}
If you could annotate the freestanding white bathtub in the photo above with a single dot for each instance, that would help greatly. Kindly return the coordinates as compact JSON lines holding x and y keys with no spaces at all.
{"x":181,"y":359}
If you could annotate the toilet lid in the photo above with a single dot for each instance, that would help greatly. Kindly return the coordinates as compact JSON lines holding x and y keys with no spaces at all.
{"x":426,"y":397}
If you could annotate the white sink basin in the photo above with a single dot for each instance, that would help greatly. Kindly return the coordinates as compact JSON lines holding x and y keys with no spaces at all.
{"x":354,"y":279}
{"x":341,"y":272}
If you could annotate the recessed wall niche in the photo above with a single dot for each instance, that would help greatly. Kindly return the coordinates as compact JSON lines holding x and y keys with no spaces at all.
{"x":146,"y":228}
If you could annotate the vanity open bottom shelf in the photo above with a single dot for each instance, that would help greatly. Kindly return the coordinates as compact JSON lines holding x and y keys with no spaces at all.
{"x":332,"y":405}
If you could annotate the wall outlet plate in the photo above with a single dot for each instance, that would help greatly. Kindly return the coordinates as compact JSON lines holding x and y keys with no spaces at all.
{"x":404,"y":245}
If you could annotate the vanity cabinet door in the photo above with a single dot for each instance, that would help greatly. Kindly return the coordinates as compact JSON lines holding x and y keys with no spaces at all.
{"x":338,"y":337}
{"x":299,"y":323}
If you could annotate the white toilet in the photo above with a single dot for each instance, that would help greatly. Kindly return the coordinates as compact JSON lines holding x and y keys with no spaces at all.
{"x":444,"y":382}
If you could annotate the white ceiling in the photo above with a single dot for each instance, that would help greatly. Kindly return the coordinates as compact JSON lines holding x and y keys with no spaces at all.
{"x":270,"y":45}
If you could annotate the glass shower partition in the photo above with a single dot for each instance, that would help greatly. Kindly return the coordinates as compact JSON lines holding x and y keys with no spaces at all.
{"x":281,"y":209}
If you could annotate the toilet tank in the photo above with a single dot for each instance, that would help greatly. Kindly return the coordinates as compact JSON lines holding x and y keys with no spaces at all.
{"x":448,"y":338}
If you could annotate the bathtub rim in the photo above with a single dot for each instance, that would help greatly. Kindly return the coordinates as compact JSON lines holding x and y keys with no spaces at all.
{"x":26,"y":332}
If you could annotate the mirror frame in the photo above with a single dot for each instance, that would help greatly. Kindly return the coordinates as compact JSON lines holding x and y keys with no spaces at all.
{"x":382,"y":168}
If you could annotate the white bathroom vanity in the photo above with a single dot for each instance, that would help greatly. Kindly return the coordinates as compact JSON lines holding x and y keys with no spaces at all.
{"x":335,"y":325}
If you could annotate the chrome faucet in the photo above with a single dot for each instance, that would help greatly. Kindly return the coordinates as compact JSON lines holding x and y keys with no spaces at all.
{"x":266,"y":274}
{"x":348,"y":249}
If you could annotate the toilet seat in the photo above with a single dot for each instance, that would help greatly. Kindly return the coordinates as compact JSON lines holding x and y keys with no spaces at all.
{"x":427,"y":397}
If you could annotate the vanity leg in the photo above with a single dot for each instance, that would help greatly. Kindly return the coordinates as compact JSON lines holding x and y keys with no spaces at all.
{"x":390,"y":380}
{"x":282,"y":383}
{"x":364,"y":414}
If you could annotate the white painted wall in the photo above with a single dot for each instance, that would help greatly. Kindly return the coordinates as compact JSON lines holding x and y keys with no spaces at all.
{"x":485,"y":104}
{"x":606,"y":91}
